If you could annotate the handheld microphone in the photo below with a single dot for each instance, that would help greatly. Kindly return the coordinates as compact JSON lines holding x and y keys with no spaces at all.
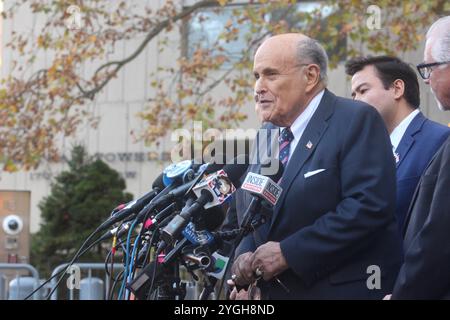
{"x":181,"y":190}
{"x":171,"y":176}
{"x":214,"y":190}
{"x":262,"y":188}
{"x":136,"y":205}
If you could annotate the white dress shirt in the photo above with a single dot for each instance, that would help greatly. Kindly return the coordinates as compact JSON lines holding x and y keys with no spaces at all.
{"x":397,"y":134}
{"x":299,"y":125}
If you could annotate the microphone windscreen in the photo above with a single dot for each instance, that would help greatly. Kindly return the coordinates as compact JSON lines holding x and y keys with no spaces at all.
{"x":236,"y":169}
{"x":275,"y":167}
{"x":158,"y":183}
{"x":211,"y":219}
{"x":216,"y":163}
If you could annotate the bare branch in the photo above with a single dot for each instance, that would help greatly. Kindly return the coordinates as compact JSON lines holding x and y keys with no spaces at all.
{"x":153,"y":33}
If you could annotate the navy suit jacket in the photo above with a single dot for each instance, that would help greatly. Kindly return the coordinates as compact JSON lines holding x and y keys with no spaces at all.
{"x":419,"y":144}
{"x":336,"y":224}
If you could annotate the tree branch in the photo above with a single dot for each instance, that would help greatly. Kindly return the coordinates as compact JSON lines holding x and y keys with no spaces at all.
{"x":153,"y":33}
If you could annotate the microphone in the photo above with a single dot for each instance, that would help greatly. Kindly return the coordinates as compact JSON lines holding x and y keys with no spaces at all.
{"x":122,"y":230}
{"x":172,"y":176}
{"x":263,"y":189}
{"x":214,"y":190}
{"x":181,"y":171}
{"x":169,"y":179}
{"x":210,"y":256}
{"x":181,"y":190}
{"x":134,"y":206}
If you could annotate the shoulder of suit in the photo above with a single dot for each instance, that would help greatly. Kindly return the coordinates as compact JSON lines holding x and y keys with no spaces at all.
{"x":436,"y":127}
{"x":443,"y":154}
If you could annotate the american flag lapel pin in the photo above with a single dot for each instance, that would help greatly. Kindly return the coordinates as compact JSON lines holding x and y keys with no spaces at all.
{"x":309,"y":145}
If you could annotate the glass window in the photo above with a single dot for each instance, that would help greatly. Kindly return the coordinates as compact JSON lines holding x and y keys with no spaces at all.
{"x":205,"y":27}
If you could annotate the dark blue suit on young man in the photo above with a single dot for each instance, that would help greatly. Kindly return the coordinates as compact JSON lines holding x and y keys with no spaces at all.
{"x":334,"y":225}
{"x":421,"y":141}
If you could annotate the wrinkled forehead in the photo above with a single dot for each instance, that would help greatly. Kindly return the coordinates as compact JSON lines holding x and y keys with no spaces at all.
{"x":275,"y":54}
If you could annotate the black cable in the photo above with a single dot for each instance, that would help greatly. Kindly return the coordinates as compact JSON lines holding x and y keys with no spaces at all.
{"x":62,"y":271}
{"x":65,"y":269}
{"x":113,"y":286}
{"x":143,"y":229}
{"x":111,"y":255}
{"x":147,"y":255}
{"x":119,"y":243}
{"x":241,"y":233}
{"x":230,"y":262}
{"x":72,"y":261}
{"x":107,"y":271}
{"x":154,"y":274}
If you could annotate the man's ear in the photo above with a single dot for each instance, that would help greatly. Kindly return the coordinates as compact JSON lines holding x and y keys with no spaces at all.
{"x":399,"y":88}
{"x":312,"y":75}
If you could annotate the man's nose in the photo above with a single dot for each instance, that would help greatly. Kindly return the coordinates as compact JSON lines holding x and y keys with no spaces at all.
{"x":260,"y":88}
{"x":427,"y":81}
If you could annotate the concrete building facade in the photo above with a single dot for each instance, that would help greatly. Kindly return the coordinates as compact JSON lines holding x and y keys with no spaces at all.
{"x":117,"y":107}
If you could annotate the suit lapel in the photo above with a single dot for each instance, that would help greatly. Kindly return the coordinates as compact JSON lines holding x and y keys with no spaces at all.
{"x":262,"y":149}
{"x":266,"y":138}
{"x":306,"y":146}
{"x":408,"y":140}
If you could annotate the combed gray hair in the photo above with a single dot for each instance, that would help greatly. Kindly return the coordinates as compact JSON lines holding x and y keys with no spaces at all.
{"x":440,"y":33}
{"x":313,"y":52}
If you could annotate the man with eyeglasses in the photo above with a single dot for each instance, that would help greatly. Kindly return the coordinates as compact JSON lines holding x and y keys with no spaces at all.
{"x":425,"y":273}
{"x":442,"y":72}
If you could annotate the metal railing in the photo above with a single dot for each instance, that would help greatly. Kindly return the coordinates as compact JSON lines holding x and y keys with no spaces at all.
{"x":83,"y":266}
{"x":193,"y":290}
{"x":22,"y":266}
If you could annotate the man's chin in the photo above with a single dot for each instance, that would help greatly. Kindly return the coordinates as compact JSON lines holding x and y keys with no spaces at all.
{"x":441,"y":106}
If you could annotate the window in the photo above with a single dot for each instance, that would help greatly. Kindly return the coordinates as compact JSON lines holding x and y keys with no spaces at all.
{"x":205,"y":26}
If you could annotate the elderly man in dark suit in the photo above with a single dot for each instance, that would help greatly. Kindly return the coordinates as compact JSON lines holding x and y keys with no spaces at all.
{"x":334,"y":223}
{"x":425,"y":273}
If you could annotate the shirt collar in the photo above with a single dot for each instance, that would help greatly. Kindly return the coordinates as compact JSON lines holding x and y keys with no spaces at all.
{"x":299,"y":124}
{"x":397,"y":134}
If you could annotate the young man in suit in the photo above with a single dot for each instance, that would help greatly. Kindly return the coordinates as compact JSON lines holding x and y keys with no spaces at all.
{"x":334,"y":222}
{"x":425,"y":271}
{"x":391,"y":86}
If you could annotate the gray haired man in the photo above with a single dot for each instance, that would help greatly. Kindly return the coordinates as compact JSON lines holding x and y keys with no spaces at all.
{"x":335,"y":216}
{"x":425,"y":273}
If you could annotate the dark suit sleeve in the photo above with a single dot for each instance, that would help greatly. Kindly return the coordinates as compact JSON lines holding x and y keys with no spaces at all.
{"x":232,"y":222}
{"x":367,"y":178}
{"x":425,"y":273}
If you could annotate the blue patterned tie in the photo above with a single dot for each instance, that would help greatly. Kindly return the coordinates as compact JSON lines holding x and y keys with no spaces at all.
{"x":285,"y":142}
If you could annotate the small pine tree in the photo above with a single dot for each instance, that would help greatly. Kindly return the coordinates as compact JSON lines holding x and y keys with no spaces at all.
{"x":80,"y":200}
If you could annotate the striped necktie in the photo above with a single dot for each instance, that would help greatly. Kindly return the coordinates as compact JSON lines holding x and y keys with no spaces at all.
{"x":285,"y":141}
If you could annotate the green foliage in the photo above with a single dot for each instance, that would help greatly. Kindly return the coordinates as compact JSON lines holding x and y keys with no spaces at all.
{"x":80,"y":200}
